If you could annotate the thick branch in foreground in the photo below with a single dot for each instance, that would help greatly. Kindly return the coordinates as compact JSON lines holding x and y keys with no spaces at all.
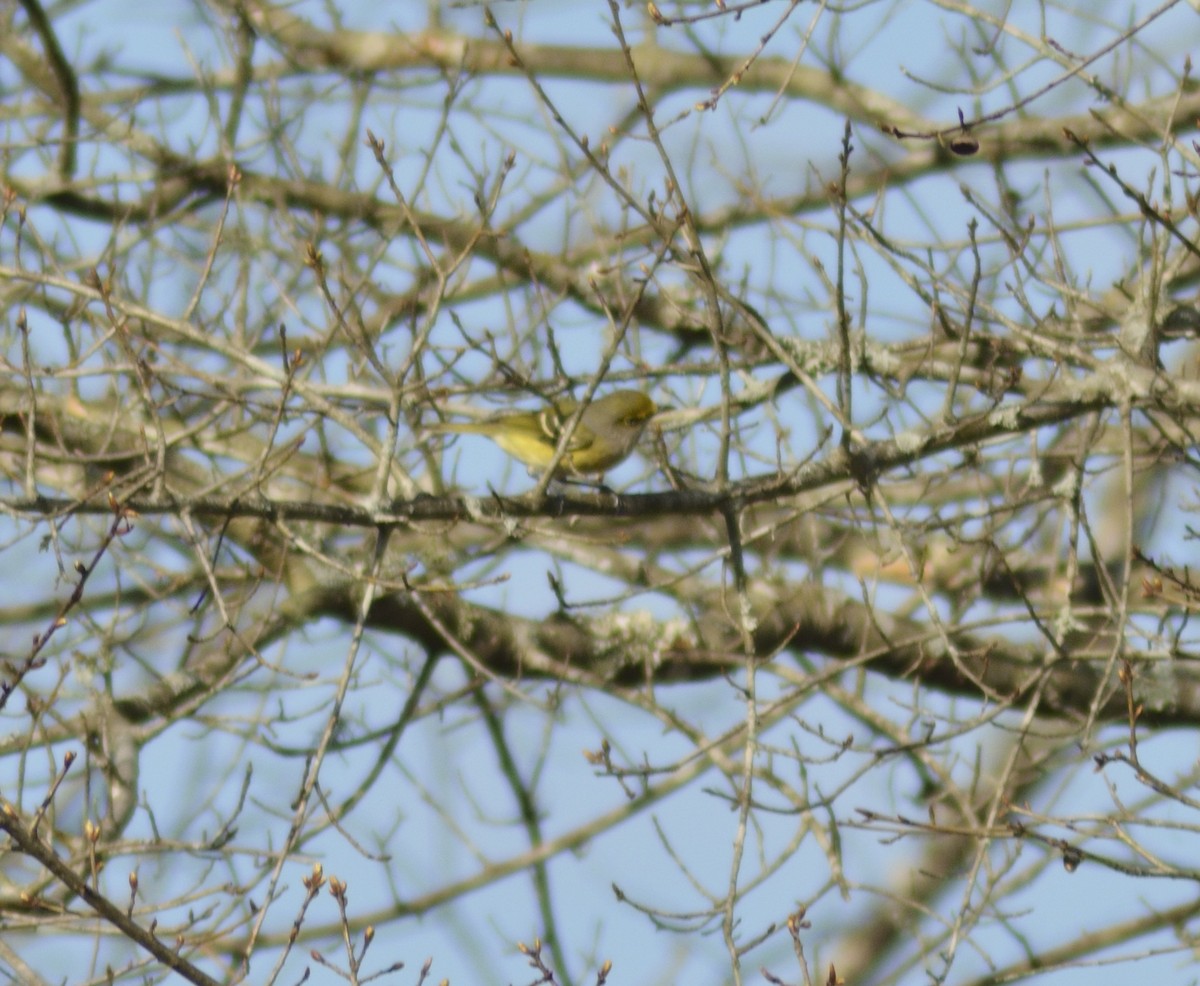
{"x":625,"y":651}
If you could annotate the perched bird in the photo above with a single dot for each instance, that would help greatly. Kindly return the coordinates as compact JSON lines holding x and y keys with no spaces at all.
{"x":605,"y":435}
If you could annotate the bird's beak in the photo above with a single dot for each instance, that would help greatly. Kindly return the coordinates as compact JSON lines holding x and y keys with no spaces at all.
{"x":661,"y":415}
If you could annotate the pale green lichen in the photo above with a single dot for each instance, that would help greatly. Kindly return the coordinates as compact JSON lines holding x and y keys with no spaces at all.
{"x":1007,"y":417}
{"x":910,"y":442}
{"x":1155,"y":684}
{"x":638,"y":638}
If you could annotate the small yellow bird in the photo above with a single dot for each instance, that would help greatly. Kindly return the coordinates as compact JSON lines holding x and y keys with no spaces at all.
{"x":604,"y":437}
